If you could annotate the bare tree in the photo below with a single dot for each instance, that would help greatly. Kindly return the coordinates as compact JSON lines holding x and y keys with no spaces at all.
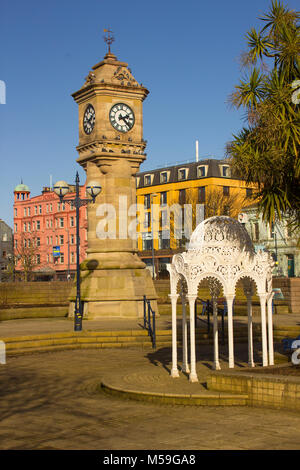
{"x":27,"y":253}
{"x":217,"y":202}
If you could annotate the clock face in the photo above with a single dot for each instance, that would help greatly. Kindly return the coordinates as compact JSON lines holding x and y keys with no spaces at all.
{"x":89,"y":119}
{"x":121,"y":117}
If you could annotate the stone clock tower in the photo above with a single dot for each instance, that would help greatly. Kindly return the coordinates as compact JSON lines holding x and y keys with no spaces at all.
{"x":111,"y":149}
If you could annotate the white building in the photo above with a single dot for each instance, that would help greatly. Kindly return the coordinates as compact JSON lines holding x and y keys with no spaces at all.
{"x":277,"y":238}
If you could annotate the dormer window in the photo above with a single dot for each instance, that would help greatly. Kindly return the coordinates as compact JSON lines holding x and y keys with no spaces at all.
{"x":164,"y":177}
{"x":147,"y":180}
{"x":225,"y":171}
{"x":182,"y":174}
{"x":202,"y":171}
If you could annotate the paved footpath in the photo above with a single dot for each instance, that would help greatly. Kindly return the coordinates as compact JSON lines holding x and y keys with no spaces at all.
{"x":52,"y":401}
{"x":59,"y":325}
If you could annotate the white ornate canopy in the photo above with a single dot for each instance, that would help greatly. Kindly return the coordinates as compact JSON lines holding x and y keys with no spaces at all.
{"x":221,"y":250}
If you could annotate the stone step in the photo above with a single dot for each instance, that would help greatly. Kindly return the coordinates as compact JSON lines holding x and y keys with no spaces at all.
{"x":204,"y":399}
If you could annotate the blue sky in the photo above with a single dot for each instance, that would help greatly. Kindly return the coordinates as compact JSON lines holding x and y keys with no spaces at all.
{"x":185,"y":52}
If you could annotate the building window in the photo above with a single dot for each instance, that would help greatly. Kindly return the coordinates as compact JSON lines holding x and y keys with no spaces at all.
{"x":163,"y":218}
{"x":16,"y":243}
{"x":38,"y":225}
{"x":147,"y":180}
{"x":25,"y":212}
{"x":38,"y":241}
{"x":71,"y":221}
{"x":50,"y":240}
{"x":28,"y":227}
{"x":201,"y":194}
{"x":147,"y":241}
{"x":225,"y":171}
{"x":225,"y":190}
{"x":164,"y":240}
{"x":58,"y":206}
{"x":147,"y":201}
{"x":61,"y":239}
{"x":47,"y":223}
{"x":164,"y":177}
{"x":50,"y":207}
{"x":51,"y":223}
{"x":182,"y":173}
{"x":289,"y":232}
{"x":63,"y":206}
{"x":16,"y":228}
{"x":249,"y":192}
{"x":256,"y":231}
{"x":28,"y":211}
{"x":40,"y":209}
{"x":147,"y":221}
{"x":16,"y":212}
{"x":272,"y":230}
{"x":62,"y":258}
{"x":201,"y":171}
{"x":47,"y":240}
{"x":182,"y":197}
{"x":72,"y":257}
{"x":25,"y":226}
{"x":38,"y":259}
{"x":72,"y":239}
{"x":35,"y":210}
{"x":61,"y":222}
{"x":163,"y":198}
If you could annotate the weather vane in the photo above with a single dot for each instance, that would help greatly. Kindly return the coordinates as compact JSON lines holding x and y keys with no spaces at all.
{"x":108,"y":38}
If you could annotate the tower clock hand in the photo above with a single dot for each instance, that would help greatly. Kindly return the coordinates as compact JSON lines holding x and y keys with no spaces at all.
{"x":124,"y":118}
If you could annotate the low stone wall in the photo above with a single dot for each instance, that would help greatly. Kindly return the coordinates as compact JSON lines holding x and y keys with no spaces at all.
{"x":50,"y":299}
{"x":290,"y":287}
{"x":33,"y":299}
{"x":262,"y":389}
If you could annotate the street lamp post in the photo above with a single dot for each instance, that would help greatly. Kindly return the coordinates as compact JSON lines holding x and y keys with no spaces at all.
{"x":61,"y":188}
{"x":152,"y":233}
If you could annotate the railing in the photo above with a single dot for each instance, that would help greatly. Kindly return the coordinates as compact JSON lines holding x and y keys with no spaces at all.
{"x":207,"y":309}
{"x":149,"y":321}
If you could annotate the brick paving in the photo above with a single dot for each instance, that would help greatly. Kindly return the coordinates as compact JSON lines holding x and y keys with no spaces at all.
{"x":52,"y":401}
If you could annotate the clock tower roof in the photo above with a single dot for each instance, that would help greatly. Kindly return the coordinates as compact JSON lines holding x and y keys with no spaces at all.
{"x":111,"y":72}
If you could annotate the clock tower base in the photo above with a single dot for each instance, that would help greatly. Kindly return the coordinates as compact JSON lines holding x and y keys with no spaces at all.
{"x":108,"y":293}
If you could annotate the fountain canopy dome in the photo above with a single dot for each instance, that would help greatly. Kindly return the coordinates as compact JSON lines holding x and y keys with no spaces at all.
{"x":220,"y":231}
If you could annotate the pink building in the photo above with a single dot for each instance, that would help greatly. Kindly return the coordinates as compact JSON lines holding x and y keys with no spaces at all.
{"x":42,"y":223}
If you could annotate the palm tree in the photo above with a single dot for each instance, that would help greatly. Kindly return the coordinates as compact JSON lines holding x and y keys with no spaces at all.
{"x":266,"y":152}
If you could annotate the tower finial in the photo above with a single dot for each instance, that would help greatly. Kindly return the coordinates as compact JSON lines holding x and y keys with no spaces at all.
{"x":108,"y":38}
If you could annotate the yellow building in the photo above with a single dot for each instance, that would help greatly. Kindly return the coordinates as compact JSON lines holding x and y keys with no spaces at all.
{"x":180,"y":197}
